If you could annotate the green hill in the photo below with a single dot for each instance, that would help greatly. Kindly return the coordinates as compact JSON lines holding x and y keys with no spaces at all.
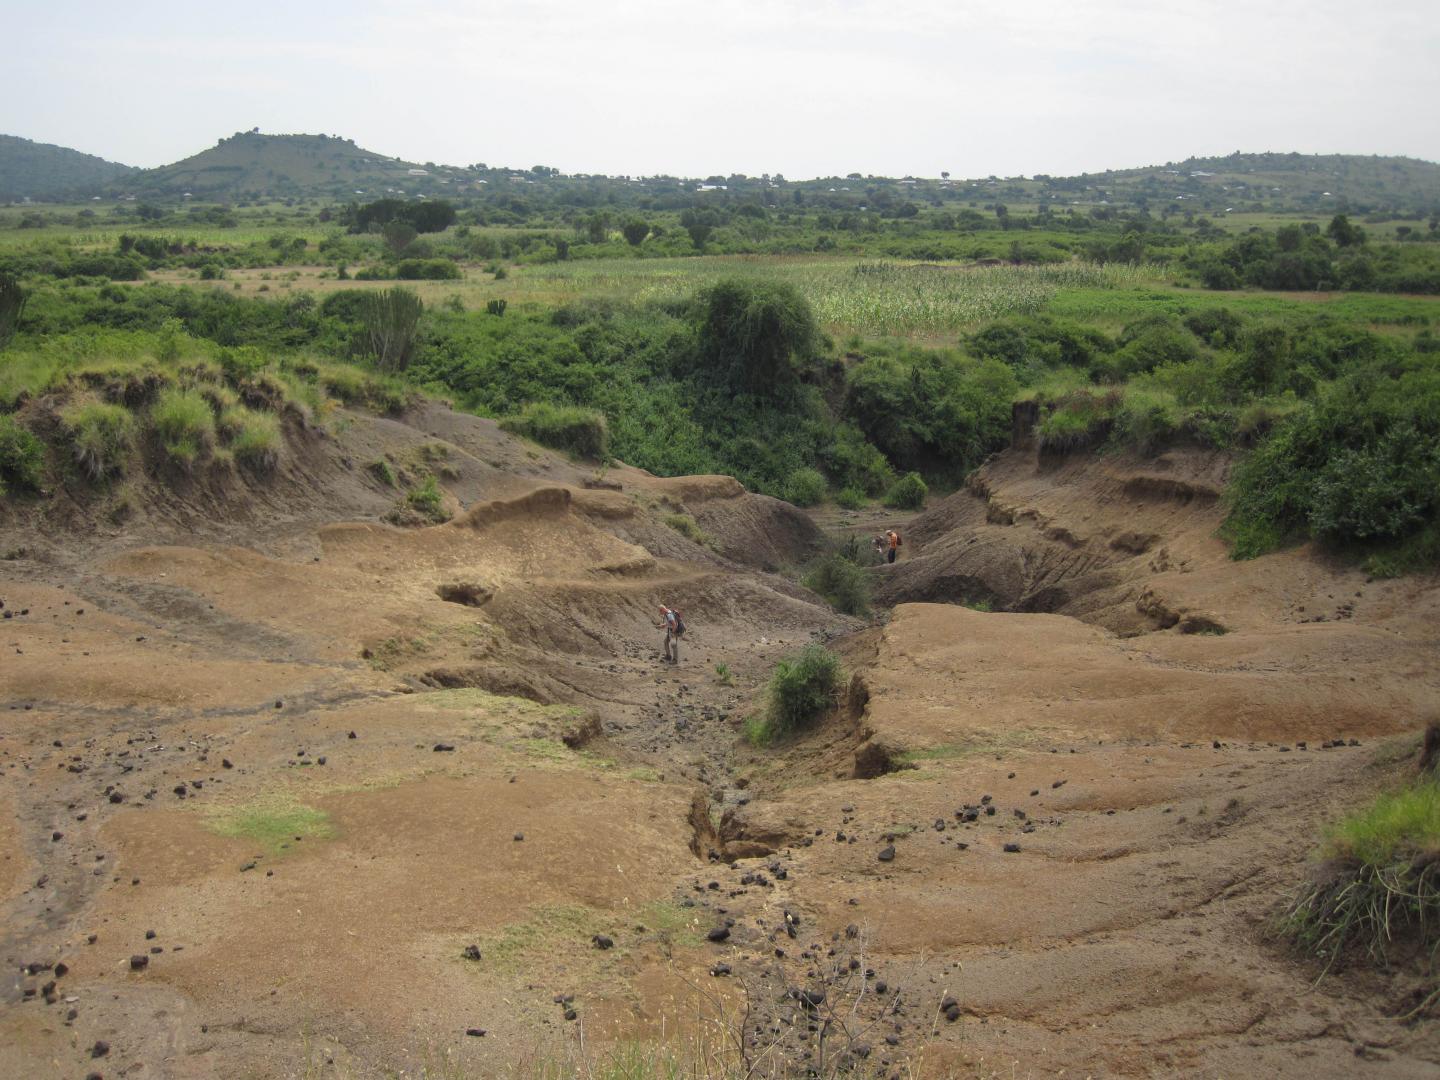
{"x":249,"y":165}
{"x":46,"y":173}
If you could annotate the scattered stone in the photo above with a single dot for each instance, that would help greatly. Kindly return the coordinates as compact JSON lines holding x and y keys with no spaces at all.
{"x":719,"y":933}
{"x":720,"y":970}
{"x":519,"y":836}
{"x":471,"y":952}
{"x":602,"y":942}
{"x":571,"y":1014}
{"x":352,"y":735}
{"x":149,"y":935}
{"x":61,"y":970}
{"x":477,"y":1033}
{"x":100,"y":1049}
{"x":1012,"y":848}
{"x":887,"y":853}
{"x":1058,"y":783}
{"x":139,"y":961}
{"x":443,"y":748}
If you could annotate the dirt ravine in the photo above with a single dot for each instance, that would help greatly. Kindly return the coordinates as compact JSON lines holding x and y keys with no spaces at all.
{"x":288,"y":791}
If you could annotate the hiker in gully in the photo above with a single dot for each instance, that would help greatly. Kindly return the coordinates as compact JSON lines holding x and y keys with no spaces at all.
{"x":674,"y":627}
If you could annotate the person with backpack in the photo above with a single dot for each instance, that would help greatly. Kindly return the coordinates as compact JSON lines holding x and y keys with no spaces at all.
{"x":674,"y":627}
{"x":893,"y":539}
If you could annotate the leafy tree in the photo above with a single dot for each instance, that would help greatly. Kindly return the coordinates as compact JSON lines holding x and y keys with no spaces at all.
{"x":398,"y":235}
{"x":1343,"y":233}
{"x":699,"y":224}
{"x":757,"y":333}
{"x":635,"y":231}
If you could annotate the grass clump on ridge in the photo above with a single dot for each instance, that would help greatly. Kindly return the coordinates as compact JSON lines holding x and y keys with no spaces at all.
{"x":802,"y":689}
{"x":1378,"y":882}
{"x":184,"y":424}
{"x":253,"y":437}
{"x":583,"y":432}
{"x":102,"y":436}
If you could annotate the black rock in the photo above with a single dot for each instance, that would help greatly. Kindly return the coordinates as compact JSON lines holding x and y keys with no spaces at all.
{"x":881,"y":987}
{"x":887,"y":853}
{"x":719,"y":933}
{"x":602,"y":942}
{"x":1012,"y":848}
{"x":990,"y":811}
{"x":61,"y":970}
{"x":139,"y":961}
{"x":953,"y":1013}
{"x":519,"y":836}
{"x":116,"y":797}
{"x":571,"y":1014}
{"x":471,"y":952}
{"x":720,"y":969}
{"x":443,"y":748}
{"x":100,"y":1049}
{"x":352,"y":735}
{"x":478,"y":1033}
{"x":149,"y":935}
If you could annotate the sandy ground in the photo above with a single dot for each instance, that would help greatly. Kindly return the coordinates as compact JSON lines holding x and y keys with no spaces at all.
{"x":250,"y":724}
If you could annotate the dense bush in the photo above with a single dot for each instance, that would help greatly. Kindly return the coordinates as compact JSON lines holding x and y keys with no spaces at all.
{"x":841,"y":582}
{"x":908,"y":493}
{"x":806,"y":487}
{"x":802,"y":689}
{"x":563,"y":427}
{"x":1359,"y":465}
{"x":427,"y":270}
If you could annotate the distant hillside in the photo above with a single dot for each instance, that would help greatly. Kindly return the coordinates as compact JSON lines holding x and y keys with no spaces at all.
{"x":1276,"y":181}
{"x":250,"y":165}
{"x":40,"y":171}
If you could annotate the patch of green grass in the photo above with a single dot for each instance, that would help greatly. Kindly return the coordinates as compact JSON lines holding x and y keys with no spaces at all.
{"x":427,"y":501}
{"x":546,"y":931}
{"x":687,"y":527}
{"x":851,"y":498}
{"x":723,"y":675}
{"x":383,"y":471}
{"x":841,"y":582}
{"x":184,"y":424}
{"x":272,"y":823}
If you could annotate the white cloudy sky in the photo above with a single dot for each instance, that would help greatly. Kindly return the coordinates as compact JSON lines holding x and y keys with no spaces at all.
{"x":800,"y":87}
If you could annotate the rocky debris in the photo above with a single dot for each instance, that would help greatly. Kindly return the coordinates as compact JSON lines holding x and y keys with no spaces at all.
{"x":1012,"y":849}
{"x":603,"y":942}
{"x":443,"y":748}
{"x":887,"y":853}
{"x":100,"y":1049}
{"x":474,"y":1032}
{"x":718,"y":934}
{"x":139,"y":962}
{"x":471,"y":952}
{"x":720,"y":970}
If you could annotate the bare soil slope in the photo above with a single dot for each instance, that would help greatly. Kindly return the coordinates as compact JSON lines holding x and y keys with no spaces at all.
{"x":322,"y":757}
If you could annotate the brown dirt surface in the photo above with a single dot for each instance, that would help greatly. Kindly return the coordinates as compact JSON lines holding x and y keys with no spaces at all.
{"x":321,"y":756}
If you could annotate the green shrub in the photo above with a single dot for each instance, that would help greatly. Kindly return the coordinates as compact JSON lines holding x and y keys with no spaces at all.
{"x":841,"y":582}
{"x":183,"y":422}
{"x":254,"y":437}
{"x":806,"y":487}
{"x":1147,"y":419}
{"x":850,"y":498}
{"x":757,"y":333}
{"x":1378,"y":881}
{"x":427,"y":500}
{"x":427,"y":270}
{"x":102,"y":436}
{"x":908,"y":493}
{"x":22,"y":457}
{"x":802,"y":689}
{"x":562,"y":427}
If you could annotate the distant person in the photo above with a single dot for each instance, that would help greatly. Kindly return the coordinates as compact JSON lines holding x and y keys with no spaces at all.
{"x":674,"y":627}
{"x":892,"y":541}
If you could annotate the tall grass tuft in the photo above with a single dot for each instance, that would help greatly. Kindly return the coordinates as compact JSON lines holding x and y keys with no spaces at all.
{"x":1378,"y":882}
{"x":184,"y":424}
{"x":102,"y":437}
{"x":254,"y":437}
{"x":22,"y":457}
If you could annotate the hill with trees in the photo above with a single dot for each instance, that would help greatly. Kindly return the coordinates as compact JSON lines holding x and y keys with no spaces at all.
{"x":46,"y":173}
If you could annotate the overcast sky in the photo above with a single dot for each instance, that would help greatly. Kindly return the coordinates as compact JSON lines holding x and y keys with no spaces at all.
{"x":889,"y":87}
